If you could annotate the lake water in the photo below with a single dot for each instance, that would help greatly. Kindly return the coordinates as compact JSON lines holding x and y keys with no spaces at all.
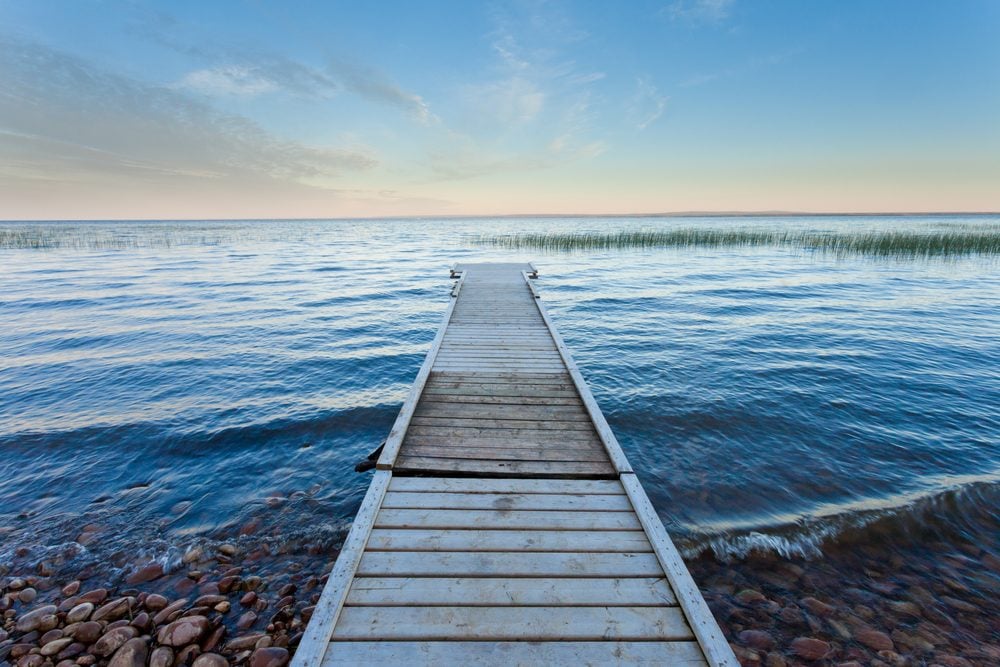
{"x":218,"y":381}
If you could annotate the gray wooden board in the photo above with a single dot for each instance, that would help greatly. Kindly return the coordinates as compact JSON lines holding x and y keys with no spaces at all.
{"x":512,"y":623}
{"x":487,"y":468}
{"x":437,"y":485}
{"x":506,"y":501}
{"x":554,"y":424}
{"x":459,"y":410}
{"x":510,"y":520}
{"x":518,"y":653}
{"x":526,"y":435}
{"x":506,"y":444}
{"x":493,"y":592}
{"x":434,"y":398}
{"x":505,"y":454}
{"x":477,"y":539}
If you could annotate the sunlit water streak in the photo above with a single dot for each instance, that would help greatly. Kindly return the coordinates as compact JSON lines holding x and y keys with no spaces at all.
{"x":769,"y":398}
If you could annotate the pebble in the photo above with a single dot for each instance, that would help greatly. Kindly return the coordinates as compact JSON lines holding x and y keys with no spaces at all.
{"x":156,"y":602}
{"x":246,"y":620}
{"x":269,"y":657}
{"x":27,"y":595}
{"x":42,"y":619}
{"x":756,"y":639}
{"x":80,"y":612}
{"x":131,"y":654}
{"x":53,"y":647}
{"x":184,"y":631}
{"x":149,"y":572}
{"x":817,"y":607}
{"x":96,"y":596}
{"x":88,"y":632}
{"x":210,"y":660}
{"x":227,"y":549}
{"x":809,"y":648}
{"x":113,"y":610}
{"x":248,"y":599}
{"x":112,"y":640}
{"x":192,"y":555}
{"x":873,"y":639}
{"x":72,"y":588}
{"x":162,"y":656}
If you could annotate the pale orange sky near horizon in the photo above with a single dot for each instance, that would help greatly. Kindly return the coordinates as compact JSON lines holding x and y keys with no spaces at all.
{"x":147,"y":110}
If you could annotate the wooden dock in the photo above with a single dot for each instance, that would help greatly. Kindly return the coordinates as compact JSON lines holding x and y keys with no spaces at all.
{"x":504,"y":525}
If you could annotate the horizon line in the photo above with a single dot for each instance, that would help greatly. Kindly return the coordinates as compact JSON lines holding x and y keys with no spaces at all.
{"x":482,"y":216}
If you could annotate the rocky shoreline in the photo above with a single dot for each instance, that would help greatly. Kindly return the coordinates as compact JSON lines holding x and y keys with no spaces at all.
{"x":930,"y":603}
{"x":210,"y":611}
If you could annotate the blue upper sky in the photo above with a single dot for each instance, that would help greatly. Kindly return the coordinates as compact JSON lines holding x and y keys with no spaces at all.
{"x":265,"y":109}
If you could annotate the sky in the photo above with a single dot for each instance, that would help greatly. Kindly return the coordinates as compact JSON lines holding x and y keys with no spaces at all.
{"x":190,"y":109}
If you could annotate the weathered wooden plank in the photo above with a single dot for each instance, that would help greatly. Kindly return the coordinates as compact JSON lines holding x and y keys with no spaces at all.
{"x":584,"y":444}
{"x":501,"y":390}
{"x":560,"y":378}
{"x":507,"y":501}
{"x":459,"y":410}
{"x":706,"y":629}
{"x":488,"y":468}
{"x":409,"y":539}
{"x":554,"y":424}
{"x":438,"y":398}
{"x":461,"y":434}
{"x":510,"y":520}
{"x":493,"y":592}
{"x":436,"y":485}
{"x":593,"y":454}
{"x":331,"y":602}
{"x":524,"y":654}
{"x":512,"y":623}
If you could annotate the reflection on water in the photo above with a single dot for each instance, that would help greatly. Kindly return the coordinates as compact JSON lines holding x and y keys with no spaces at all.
{"x":770,"y":399}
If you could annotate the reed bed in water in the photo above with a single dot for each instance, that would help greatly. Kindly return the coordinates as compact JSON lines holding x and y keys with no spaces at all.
{"x":112,"y":237}
{"x":961,"y":240}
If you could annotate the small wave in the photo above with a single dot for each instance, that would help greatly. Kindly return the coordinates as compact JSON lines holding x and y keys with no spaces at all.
{"x":966,"y":511}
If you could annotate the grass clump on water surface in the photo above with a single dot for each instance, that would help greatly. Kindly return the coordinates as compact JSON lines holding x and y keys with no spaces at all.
{"x":960,"y":241}
{"x":117,"y":237}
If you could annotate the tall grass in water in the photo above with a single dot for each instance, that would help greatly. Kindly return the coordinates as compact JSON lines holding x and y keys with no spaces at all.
{"x":118,"y":237}
{"x":961,"y":240}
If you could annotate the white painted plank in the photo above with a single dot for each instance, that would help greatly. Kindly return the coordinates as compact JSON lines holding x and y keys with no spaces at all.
{"x":408,"y":539}
{"x":507,"y":501}
{"x":510,"y":623}
{"x":512,"y":520}
{"x":519,"y":653}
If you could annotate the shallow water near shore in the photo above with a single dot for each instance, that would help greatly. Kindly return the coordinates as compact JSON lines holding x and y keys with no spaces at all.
{"x":834,"y":420}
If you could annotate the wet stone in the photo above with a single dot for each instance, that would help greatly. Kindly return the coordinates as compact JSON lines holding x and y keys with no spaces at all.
{"x":874,"y":639}
{"x":184,"y":631}
{"x":156,"y":602}
{"x":210,"y":660}
{"x":131,"y":654}
{"x":88,"y":632}
{"x":80,"y":612}
{"x":162,"y":656}
{"x":112,"y":640}
{"x":810,"y":648}
{"x":269,"y":657}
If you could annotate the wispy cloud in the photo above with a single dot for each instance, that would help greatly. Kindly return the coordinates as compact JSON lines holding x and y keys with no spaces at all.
{"x":81,"y":121}
{"x":647,"y":104}
{"x":228,"y":80}
{"x":373,"y":85}
{"x":699,"y":10}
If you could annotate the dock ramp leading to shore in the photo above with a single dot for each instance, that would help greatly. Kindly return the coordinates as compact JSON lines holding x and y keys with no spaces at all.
{"x":504,"y":525}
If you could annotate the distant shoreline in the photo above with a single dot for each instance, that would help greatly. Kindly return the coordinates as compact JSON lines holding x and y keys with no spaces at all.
{"x":510,"y":216}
